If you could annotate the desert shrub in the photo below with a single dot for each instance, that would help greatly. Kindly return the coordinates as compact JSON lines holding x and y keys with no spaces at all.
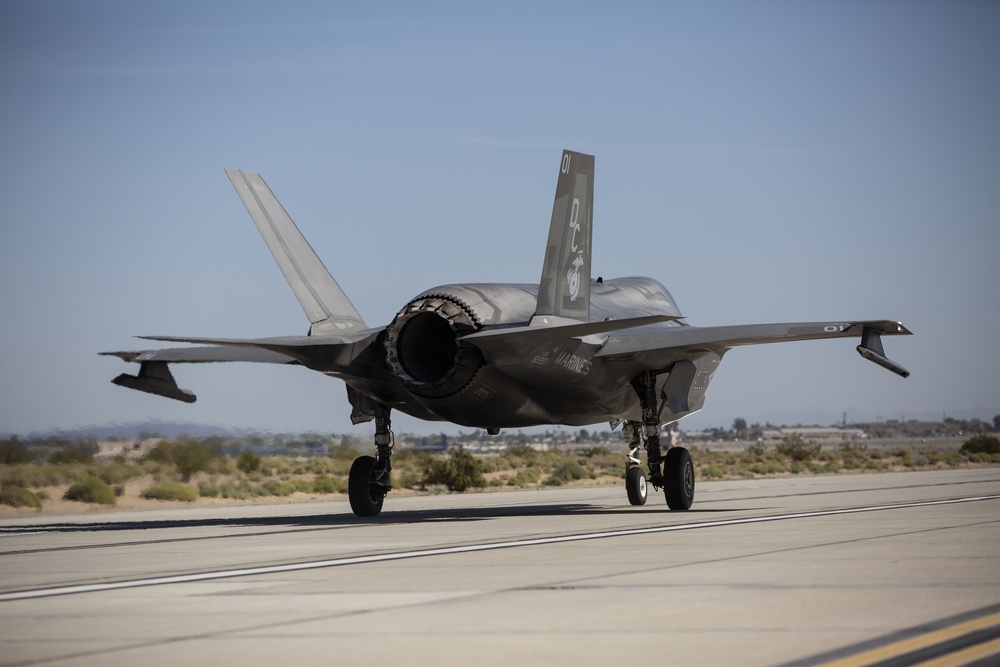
{"x":75,"y":453}
{"x":190,"y":456}
{"x":17,"y":496}
{"x":950,"y":458}
{"x":345,"y":451}
{"x":553,"y":481}
{"x":767,"y":468}
{"x":57,"y":475}
{"x":13,"y":451}
{"x":325,"y":484}
{"x":594,"y":452}
{"x":248,"y":462}
{"x":118,"y":472}
{"x":520,"y":456}
{"x":712,"y":472}
{"x":981,"y":444}
{"x":756,"y":449}
{"x":853,"y":461}
{"x":231,"y":490}
{"x":22,"y":476}
{"x":279,"y":488}
{"x":526,"y":477}
{"x":410,"y":477}
{"x":91,"y":490}
{"x":569,"y":471}
{"x":171,"y":491}
{"x":277,"y":466}
{"x":797,"y":449}
{"x":459,"y":472}
{"x":255,"y":490}
{"x":208,"y":489}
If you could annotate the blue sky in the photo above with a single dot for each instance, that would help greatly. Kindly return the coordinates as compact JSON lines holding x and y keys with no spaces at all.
{"x":768,"y":162}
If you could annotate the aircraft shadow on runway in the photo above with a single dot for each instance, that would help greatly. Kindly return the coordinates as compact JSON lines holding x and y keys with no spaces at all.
{"x":322,"y":521}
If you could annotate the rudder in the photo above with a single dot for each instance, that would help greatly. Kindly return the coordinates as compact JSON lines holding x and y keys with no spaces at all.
{"x":564,"y":290}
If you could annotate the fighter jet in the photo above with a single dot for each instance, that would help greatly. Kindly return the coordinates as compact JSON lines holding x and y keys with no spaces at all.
{"x":569,"y":350}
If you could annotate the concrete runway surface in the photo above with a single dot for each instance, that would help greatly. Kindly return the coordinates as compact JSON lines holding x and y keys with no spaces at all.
{"x":844,"y":570}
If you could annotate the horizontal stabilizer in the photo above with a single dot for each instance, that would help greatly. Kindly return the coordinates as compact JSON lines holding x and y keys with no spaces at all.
{"x":324,"y":302}
{"x":154,"y":378}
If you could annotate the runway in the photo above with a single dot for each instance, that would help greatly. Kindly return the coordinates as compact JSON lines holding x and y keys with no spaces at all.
{"x":882,"y":569}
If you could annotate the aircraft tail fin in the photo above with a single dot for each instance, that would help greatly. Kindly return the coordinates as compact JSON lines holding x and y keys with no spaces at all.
{"x":326,"y":305}
{"x":564,"y":290}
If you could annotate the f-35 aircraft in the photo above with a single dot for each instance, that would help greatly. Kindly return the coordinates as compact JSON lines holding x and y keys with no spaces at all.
{"x":569,"y":350}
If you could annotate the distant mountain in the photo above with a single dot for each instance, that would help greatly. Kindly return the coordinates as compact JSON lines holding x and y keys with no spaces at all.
{"x":132,"y":430}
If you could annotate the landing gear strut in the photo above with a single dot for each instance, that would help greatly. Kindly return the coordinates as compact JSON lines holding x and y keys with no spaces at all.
{"x":635,"y":478}
{"x":674,"y":473}
{"x":370,"y":480}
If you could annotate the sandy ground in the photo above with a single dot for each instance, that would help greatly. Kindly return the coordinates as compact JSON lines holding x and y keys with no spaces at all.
{"x":132,"y":500}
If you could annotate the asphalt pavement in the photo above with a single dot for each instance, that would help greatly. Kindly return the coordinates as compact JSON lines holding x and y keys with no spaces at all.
{"x":836,"y":570}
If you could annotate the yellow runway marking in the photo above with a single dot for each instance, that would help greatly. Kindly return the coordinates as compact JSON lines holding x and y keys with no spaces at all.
{"x":964,"y":656}
{"x":902,"y":647}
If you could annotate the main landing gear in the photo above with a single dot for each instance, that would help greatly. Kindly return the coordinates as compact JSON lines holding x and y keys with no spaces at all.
{"x":674,"y":473}
{"x":369,"y":480}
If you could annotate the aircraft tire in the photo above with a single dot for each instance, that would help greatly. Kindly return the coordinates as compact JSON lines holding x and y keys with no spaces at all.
{"x":366,"y":497}
{"x":678,"y":479}
{"x":635,"y":485}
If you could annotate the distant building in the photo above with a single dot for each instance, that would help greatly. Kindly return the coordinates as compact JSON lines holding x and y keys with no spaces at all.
{"x":819,"y":434}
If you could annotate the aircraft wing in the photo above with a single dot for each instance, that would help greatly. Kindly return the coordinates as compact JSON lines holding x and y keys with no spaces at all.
{"x":154,"y":375}
{"x":285,"y":344}
{"x":336,"y":354}
{"x":204,"y":355}
{"x":659,"y":349}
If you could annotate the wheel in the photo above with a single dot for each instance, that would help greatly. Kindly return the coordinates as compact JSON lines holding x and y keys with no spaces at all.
{"x":635,"y":485}
{"x":678,"y":479}
{"x":366,"y":496}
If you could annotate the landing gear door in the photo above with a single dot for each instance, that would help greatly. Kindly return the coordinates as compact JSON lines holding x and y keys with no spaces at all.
{"x":684,"y":389}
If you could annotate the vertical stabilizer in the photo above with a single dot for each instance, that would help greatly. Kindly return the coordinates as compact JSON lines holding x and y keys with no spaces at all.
{"x":564,"y":290}
{"x":329,"y":310}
